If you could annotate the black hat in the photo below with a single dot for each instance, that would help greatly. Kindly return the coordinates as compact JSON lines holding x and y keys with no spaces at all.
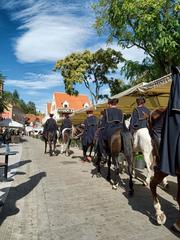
{"x":113,"y":101}
{"x":51,"y":114}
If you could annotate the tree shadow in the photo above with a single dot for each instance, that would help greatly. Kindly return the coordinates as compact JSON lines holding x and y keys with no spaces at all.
{"x":18,"y":192}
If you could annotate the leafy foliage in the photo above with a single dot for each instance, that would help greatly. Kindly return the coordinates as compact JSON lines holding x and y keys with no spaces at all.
{"x":147,"y":24}
{"x":89,"y":68}
{"x":15,"y":100}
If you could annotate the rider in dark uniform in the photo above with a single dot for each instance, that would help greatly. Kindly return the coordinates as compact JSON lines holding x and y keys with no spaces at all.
{"x":50,"y":125}
{"x":66,"y":124}
{"x":90,"y":127}
{"x":139,"y":116}
{"x":170,"y":137}
{"x":112,"y":120}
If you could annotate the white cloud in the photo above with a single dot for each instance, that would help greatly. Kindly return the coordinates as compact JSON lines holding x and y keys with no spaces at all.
{"x":34,"y":82}
{"x":52,"y":29}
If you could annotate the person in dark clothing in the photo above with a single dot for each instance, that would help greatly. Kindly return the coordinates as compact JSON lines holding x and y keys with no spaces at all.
{"x":170,"y":137}
{"x":90,"y":127}
{"x":66,"y":124}
{"x":139,"y":117}
{"x":112,"y":120}
{"x":50,"y":125}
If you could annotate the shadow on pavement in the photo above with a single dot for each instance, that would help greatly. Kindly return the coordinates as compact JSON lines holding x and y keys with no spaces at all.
{"x":19,"y":164}
{"x":16,"y":193}
{"x":145,"y":206}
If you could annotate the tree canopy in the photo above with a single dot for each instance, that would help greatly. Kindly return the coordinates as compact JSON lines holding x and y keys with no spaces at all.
{"x":150,"y":25}
{"x":92,"y":69}
{"x":15,"y":100}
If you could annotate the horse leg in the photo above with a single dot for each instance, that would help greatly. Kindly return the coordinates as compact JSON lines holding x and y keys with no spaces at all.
{"x":109,"y":169}
{"x":177,"y":223}
{"x":85,"y":148}
{"x":45,"y":151}
{"x":148,"y":157}
{"x":50,"y":148}
{"x":117,"y":178}
{"x":157,"y":179}
{"x":90,"y":151}
{"x":129,"y":159}
{"x":62,"y":147}
{"x":98,"y":163}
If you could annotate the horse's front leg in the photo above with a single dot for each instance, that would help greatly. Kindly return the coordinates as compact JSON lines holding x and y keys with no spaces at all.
{"x":177,"y":223}
{"x":50,"y":148}
{"x":157,"y":179}
{"x":45,"y":150}
{"x":109,"y":169}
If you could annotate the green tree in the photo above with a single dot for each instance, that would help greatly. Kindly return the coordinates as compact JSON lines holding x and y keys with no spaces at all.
{"x":150,"y":25}
{"x":117,"y":86}
{"x":89,"y":68}
{"x":31,"y":107}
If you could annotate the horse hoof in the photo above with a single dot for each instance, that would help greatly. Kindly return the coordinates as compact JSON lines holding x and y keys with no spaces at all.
{"x":176,"y":226}
{"x":98,"y":175}
{"x":108,"y":179}
{"x":115,"y":186}
{"x":161,"y":218}
{"x":131,"y":192}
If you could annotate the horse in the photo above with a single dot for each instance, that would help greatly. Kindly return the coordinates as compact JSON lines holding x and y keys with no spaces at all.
{"x":159,"y":176}
{"x":142,"y":143}
{"x":50,"y":137}
{"x":116,"y":145}
{"x":65,"y":140}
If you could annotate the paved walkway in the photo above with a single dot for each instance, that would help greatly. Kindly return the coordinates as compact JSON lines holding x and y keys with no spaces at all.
{"x":56,"y":198}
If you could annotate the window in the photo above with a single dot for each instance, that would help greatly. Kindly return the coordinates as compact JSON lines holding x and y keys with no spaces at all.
{"x":65,"y":104}
{"x":86,"y":105}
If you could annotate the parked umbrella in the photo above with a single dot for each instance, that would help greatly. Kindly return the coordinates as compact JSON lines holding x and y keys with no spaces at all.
{"x":10,"y":123}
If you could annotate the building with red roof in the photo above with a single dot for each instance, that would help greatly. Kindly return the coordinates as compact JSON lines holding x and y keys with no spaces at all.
{"x":63,"y":102}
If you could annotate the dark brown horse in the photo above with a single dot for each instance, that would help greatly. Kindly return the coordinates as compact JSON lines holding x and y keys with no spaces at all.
{"x":119,"y":142}
{"x":50,"y":137}
{"x":156,"y":118}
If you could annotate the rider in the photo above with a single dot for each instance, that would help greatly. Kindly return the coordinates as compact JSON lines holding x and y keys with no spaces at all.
{"x":112,"y":120}
{"x":90,"y":127}
{"x":66,"y":124}
{"x":50,"y":125}
{"x":139,"y":116}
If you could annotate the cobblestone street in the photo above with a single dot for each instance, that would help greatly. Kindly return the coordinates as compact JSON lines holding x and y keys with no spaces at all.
{"x":60,"y":198}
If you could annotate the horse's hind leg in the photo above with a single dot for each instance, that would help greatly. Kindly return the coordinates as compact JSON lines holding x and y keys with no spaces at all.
{"x":148,"y":157}
{"x":109,"y":169}
{"x":157,"y":179}
{"x":117,"y":178}
{"x":177,"y":223}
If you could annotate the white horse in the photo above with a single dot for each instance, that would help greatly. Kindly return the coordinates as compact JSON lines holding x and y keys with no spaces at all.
{"x":142,"y":143}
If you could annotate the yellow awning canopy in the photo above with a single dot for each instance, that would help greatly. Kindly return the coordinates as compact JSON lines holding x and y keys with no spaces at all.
{"x":155,"y":92}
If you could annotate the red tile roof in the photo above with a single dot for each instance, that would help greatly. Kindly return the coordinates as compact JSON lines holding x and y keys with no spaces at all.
{"x":75,"y":102}
{"x":31,"y":118}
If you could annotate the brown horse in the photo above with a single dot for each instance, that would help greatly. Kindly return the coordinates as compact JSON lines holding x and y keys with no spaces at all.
{"x":51,"y":139}
{"x":119,"y":142}
{"x":156,"y":117}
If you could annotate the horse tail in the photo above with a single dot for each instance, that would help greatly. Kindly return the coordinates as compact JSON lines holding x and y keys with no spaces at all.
{"x":127,"y":141}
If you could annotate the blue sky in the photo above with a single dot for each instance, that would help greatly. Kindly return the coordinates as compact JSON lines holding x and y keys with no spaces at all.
{"x":35,"y":33}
